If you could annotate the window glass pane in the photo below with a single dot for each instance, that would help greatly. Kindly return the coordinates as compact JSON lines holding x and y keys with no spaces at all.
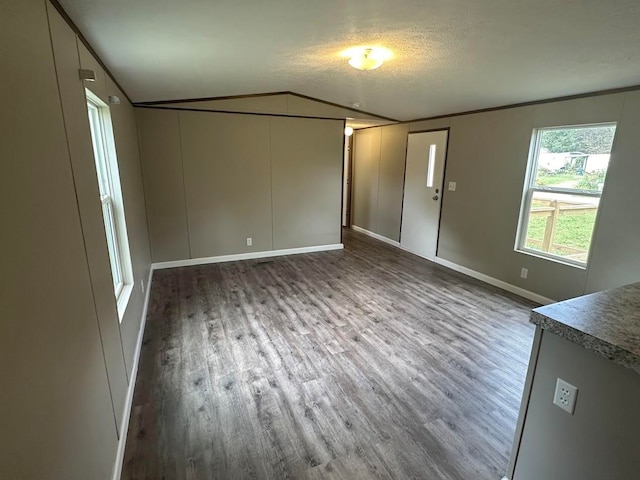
{"x":99,"y":149}
{"x":109,"y":226}
{"x":562,"y":225}
{"x":574,"y":158}
{"x":431,"y":166}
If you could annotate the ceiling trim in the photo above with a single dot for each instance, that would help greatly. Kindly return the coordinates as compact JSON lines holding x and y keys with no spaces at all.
{"x":380,"y":126}
{"x":210,"y":99}
{"x":342,"y":106}
{"x":266,"y":94}
{"x":86,"y":43}
{"x":578,"y":96}
{"x":262,"y":114}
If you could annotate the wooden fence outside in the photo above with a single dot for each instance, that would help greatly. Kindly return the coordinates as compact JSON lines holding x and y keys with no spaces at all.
{"x":552,"y":212}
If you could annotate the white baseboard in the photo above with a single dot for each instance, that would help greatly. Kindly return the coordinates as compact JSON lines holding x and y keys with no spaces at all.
{"x":124,"y":424}
{"x":467,"y":271}
{"x":245,"y":256}
{"x":495,"y":282}
{"x":376,"y":236}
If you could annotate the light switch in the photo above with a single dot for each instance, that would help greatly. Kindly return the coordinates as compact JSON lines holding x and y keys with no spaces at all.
{"x":452,"y":186}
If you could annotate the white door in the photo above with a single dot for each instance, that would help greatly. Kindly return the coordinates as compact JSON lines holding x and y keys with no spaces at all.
{"x":424,"y":175}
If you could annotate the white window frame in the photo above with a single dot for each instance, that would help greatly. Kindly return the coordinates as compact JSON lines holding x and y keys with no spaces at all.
{"x":530,"y":188}
{"x":110,"y":191}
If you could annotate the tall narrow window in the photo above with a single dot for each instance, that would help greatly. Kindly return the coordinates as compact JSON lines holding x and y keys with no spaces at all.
{"x":567,"y":171}
{"x":110,"y":198}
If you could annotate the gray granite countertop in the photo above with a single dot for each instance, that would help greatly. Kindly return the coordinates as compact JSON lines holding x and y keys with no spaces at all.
{"x":607,"y":323}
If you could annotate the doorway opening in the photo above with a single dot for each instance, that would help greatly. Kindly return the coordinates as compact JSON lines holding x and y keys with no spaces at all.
{"x":346,"y":181}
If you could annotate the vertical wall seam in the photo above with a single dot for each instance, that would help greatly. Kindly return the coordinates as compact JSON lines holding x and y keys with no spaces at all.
{"x":184,"y":185}
{"x":404,"y":183}
{"x":273,"y":226}
{"x":144,"y":189}
{"x":442,"y":186}
{"x":342,"y":186}
{"x":377,"y":211}
{"x":84,"y":240}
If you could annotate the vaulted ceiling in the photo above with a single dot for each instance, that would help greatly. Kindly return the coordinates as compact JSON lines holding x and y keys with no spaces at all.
{"x":449,"y":55}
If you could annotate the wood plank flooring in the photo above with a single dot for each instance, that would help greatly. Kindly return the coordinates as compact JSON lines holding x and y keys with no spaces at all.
{"x":367,"y":363}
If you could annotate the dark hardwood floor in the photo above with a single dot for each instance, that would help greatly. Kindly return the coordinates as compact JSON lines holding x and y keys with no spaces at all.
{"x":367,"y":363}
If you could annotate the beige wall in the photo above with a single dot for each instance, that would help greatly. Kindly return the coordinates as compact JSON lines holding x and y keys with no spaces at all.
{"x":130,"y":170}
{"x":378,"y":179}
{"x":393,"y":153}
{"x":601,"y":439}
{"x":306,"y":173}
{"x":126,"y":139}
{"x":273,"y":104}
{"x":74,"y":110}
{"x":61,"y":345}
{"x":487,"y":158}
{"x":212,"y":180}
{"x":227,"y":182}
{"x":365,"y":175}
{"x":159,"y":133}
{"x":615,"y":259}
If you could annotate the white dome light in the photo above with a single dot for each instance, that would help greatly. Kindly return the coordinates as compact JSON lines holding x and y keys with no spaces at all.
{"x":367,"y":58}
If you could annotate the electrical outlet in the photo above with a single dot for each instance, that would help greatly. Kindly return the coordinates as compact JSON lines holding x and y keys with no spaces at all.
{"x":524,"y":273}
{"x":249,"y":241}
{"x":565,"y":396}
{"x":452,"y":186}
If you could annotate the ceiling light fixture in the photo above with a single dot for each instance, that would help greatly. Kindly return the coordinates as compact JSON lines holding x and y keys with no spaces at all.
{"x":367,"y":58}
{"x":348,"y":131}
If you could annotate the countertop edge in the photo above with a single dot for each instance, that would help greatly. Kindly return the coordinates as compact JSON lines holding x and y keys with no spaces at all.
{"x":596,"y":345}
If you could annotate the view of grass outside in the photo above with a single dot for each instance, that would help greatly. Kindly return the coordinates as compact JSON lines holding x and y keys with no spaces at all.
{"x":573,"y":231}
{"x":571,"y":166}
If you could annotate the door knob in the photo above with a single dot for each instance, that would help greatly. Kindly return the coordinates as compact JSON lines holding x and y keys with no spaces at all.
{"x":435,"y":197}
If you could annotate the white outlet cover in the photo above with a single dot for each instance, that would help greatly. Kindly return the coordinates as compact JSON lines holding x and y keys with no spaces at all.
{"x":452,"y":186}
{"x":524,"y":272}
{"x":249,"y":241}
{"x":565,"y":396}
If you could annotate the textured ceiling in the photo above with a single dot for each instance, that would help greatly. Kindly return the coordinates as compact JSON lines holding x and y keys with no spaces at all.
{"x":450,"y":55}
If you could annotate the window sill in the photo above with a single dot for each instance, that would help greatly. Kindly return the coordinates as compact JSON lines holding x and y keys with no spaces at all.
{"x":123,"y":300}
{"x":533,"y":253}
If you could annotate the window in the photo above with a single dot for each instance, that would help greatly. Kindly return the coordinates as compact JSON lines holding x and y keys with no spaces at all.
{"x":567,"y":171}
{"x":111,"y":199}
